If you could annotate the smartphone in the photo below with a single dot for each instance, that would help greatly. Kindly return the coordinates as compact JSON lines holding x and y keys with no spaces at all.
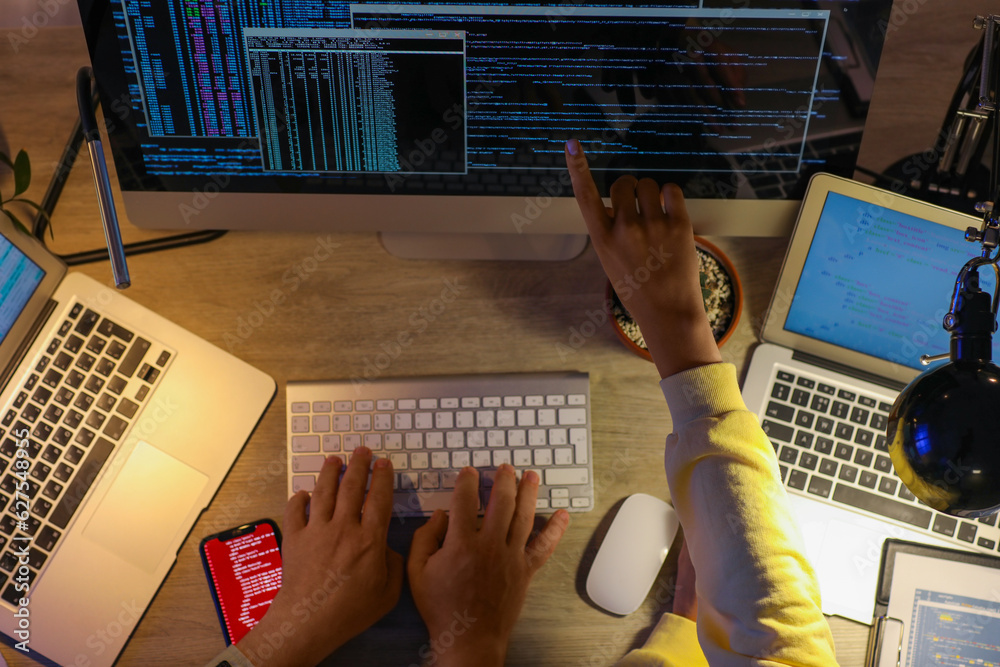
{"x":243,"y":566}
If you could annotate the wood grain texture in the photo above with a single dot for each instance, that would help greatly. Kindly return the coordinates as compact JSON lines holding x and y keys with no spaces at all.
{"x":333,"y":316}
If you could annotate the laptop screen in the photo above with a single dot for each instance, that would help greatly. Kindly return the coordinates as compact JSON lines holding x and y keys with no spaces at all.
{"x":879,"y":282}
{"x":19,"y":278}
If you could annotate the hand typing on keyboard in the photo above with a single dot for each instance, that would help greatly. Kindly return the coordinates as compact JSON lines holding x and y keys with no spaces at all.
{"x":475,"y":577}
{"x":646,"y":246}
{"x":479,"y":577}
{"x":338,"y":550}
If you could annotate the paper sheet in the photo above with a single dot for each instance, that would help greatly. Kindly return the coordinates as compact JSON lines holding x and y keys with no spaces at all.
{"x":950,"y":612}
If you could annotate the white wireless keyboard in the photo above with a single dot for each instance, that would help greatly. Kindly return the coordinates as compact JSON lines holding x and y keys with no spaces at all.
{"x":430,"y":428}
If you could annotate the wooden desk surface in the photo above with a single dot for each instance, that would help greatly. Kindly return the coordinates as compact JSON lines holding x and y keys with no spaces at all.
{"x":507,"y":317}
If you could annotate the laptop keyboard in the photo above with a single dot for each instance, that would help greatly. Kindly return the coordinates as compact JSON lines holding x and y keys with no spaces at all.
{"x":830,"y":441}
{"x":60,"y":428}
{"x":430,"y":428}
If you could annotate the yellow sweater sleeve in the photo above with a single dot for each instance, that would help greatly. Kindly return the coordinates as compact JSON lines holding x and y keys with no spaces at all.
{"x":758,"y":599}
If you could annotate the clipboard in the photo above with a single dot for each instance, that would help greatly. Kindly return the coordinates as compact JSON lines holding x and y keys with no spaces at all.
{"x":941,"y":589}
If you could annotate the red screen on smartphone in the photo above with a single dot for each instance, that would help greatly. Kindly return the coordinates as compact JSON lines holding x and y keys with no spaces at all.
{"x":246,"y":575}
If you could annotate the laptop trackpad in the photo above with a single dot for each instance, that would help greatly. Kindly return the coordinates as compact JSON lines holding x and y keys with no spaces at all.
{"x":146,"y":506}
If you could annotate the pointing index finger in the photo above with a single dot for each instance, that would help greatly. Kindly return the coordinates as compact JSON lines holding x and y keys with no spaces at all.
{"x":592,"y":207}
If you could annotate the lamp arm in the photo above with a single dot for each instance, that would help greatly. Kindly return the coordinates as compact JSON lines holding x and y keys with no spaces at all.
{"x":968,"y":282}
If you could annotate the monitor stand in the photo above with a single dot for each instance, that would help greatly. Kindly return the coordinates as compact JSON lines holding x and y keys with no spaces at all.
{"x":532,"y":247}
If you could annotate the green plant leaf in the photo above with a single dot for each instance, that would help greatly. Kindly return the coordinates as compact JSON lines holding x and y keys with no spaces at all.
{"x":22,"y":172}
{"x":41,"y":212}
{"x":16,"y":221}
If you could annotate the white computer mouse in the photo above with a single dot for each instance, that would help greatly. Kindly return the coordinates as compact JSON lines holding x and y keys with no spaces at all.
{"x":632,"y":553}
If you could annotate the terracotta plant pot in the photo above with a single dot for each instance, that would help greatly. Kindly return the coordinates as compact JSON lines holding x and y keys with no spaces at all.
{"x":721,"y":289}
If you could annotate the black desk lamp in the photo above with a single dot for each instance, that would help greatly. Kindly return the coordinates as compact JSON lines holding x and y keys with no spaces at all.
{"x":944,"y":429}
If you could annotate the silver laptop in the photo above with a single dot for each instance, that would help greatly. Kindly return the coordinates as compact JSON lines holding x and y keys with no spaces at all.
{"x":865,"y":284}
{"x":125,"y":425}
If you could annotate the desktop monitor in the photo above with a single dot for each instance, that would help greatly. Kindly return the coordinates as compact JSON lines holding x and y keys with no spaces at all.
{"x":427,"y":121}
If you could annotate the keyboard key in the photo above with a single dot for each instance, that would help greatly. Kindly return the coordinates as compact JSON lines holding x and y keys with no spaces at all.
{"x":31,"y":412}
{"x":800,"y":397}
{"x":96,"y":344}
{"x":848,"y":473}
{"x":847,"y":395}
{"x":107,"y":401}
{"x":986,"y":543}
{"x":844,"y":431}
{"x":785,"y":376}
{"x":839,"y":410}
{"x":863,"y":437}
{"x":94,"y":384}
{"x":863,"y":457}
{"x":53,"y":413}
{"x":867,"y":401}
{"x":893,"y":509}
{"x":824,"y":445}
{"x":990,"y":520}
{"x":305,"y":443}
{"x":84,"y":437}
{"x":780,"y":391}
{"x":880,"y":443}
{"x":83,"y":401}
{"x":905,"y":493}
{"x":820,"y":403}
{"x":808,"y":460}
{"x":778,"y":431}
{"x":860,"y":416}
{"x":828,"y":467}
{"x":75,"y":378}
{"x":887,"y":486}
{"x":967,"y":532}
{"x":52,"y":378}
{"x":781,"y":412}
{"x":115,"y":427}
{"x":945,"y":525}
{"x":47,"y":538}
{"x":804,"y":439}
{"x":885,"y":407}
{"x":826,"y":389}
{"x":41,"y":395}
{"x":134,"y":357}
{"x":85,"y":362}
{"x":843,"y":451}
{"x":115,"y":349}
{"x":105,"y":367}
{"x":883,"y":464}
{"x":797,"y":479}
{"x":868,"y":479}
{"x":109,"y":328}
{"x":806,"y":382}
{"x":804,"y":419}
{"x":820,"y":487}
{"x":566,"y":476}
{"x":788,"y":455}
{"x":86,"y":322}
{"x":77,"y":489}
{"x":879,"y":422}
